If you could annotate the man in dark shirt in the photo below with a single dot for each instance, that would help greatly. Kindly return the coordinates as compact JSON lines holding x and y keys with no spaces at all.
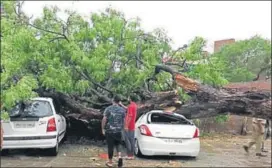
{"x":130,"y":126}
{"x":112,"y":126}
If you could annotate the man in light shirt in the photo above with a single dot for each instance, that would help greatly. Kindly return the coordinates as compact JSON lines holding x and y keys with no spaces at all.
{"x":258,"y":126}
{"x":267,"y":133}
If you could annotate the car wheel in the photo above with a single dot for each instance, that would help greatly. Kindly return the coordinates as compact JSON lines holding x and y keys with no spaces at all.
{"x":137,"y":150}
{"x":54,"y":151}
{"x":4,"y":152}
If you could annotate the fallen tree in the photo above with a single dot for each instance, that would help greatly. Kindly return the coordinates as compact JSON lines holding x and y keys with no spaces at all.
{"x":206,"y":101}
{"x":82,"y":65}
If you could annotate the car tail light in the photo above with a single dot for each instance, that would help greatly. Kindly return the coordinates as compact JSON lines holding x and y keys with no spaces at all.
{"x":196,"y":134}
{"x":145,"y":130}
{"x":51,"y":125}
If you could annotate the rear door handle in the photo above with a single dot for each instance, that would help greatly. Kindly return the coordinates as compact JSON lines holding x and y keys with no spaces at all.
{"x":58,"y":120}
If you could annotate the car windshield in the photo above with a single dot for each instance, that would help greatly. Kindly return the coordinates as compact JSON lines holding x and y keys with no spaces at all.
{"x":32,"y":109}
{"x":165,"y":118}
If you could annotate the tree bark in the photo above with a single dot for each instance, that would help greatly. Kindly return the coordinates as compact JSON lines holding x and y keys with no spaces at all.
{"x":209,"y":102}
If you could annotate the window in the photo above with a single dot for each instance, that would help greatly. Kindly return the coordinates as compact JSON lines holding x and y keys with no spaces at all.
{"x":164,"y":118}
{"x":32,"y":109}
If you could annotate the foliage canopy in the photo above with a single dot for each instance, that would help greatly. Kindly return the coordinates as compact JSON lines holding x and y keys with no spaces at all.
{"x":104,"y":55}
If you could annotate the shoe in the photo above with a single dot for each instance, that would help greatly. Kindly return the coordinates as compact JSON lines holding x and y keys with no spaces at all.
{"x":108,"y":164}
{"x":260,"y":155}
{"x":115,"y":159}
{"x":245,"y":148}
{"x":120,"y":163}
{"x":129,"y":158}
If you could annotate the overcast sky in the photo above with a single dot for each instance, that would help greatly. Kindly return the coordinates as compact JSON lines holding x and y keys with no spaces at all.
{"x":183,"y":20}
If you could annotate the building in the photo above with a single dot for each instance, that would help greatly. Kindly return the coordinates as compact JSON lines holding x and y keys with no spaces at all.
{"x":220,"y":43}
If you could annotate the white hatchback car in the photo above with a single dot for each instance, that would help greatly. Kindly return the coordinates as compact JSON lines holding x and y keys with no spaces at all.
{"x":161,"y":133}
{"x":34,"y":124}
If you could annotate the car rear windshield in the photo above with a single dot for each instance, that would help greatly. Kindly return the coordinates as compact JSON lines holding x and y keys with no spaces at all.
{"x":32,"y":109}
{"x":164,"y":118}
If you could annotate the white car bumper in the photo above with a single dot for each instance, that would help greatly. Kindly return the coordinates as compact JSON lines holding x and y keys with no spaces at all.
{"x":42,"y":142}
{"x":151,"y":146}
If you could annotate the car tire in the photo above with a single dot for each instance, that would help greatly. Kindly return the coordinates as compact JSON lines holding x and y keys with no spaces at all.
{"x":54,"y":151}
{"x":137,"y":150}
{"x":4,"y":152}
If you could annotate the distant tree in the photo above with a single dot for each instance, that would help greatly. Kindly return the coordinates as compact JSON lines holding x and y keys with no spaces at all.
{"x":243,"y":60}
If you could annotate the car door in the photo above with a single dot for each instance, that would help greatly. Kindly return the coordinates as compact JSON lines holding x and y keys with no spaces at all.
{"x":63,"y":123}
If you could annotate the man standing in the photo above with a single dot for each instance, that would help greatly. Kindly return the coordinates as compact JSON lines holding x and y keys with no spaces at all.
{"x":112,"y":127}
{"x":267,"y":133}
{"x":130,"y":126}
{"x":258,"y":125}
{"x":2,"y":133}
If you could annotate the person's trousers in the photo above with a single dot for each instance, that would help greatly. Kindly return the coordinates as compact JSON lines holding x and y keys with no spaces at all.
{"x":130,"y":141}
{"x":113,"y":140}
{"x":257,"y":138}
{"x":2,"y":133}
{"x":267,"y":132}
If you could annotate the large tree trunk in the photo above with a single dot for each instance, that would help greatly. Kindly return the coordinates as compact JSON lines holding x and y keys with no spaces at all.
{"x":208,"y":101}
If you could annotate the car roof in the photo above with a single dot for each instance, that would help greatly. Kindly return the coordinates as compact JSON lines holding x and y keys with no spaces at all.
{"x":42,"y":98}
{"x":160,"y":111}
{"x":155,"y":111}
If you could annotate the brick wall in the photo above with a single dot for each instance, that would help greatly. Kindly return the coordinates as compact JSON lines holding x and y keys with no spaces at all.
{"x":232,"y":126}
{"x":263,"y":85}
{"x":220,"y":43}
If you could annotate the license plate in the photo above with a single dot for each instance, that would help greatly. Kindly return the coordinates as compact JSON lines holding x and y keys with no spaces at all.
{"x":24,"y":125}
{"x":173,"y":140}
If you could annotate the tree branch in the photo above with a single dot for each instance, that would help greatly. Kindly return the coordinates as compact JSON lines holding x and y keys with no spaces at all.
{"x":97,"y":84}
{"x":49,"y":31}
{"x":179,"y":49}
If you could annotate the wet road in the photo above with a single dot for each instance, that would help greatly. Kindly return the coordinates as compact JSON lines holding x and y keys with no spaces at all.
{"x":220,"y":151}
